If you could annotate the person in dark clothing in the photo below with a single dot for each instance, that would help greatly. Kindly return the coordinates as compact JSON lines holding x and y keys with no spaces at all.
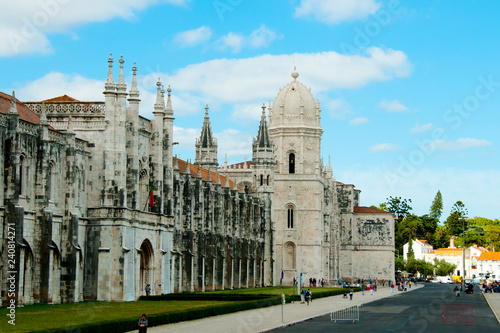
{"x":143,"y":324}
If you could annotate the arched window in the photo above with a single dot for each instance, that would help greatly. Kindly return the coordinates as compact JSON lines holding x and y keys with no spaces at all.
{"x":267,"y":182}
{"x":291,"y":163}
{"x":290,"y":218}
{"x":261,"y":180}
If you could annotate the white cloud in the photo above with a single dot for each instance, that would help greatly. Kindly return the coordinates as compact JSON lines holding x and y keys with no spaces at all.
{"x":459,"y":144}
{"x":256,"y":78}
{"x":384,"y":147}
{"x":339,"y":108}
{"x":233,"y":41}
{"x":336,"y":11}
{"x":421,"y":128}
{"x":234,"y":142}
{"x":25,"y":24}
{"x":392,"y":106}
{"x":193,"y":37}
{"x":56,"y":84}
{"x":261,"y":37}
{"x":243,"y":81}
{"x":359,"y":121}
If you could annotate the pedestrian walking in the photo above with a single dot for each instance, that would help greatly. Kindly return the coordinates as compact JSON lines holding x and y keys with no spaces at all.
{"x":148,"y":289}
{"x":308,"y":296}
{"x":143,"y":324}
{"x":363,"y":287}
{"x":371,"y":289}
{"x":350,"y":294}
{"x":392,"y":288}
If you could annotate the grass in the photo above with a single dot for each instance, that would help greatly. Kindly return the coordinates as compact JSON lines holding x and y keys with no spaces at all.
{"x":62,"y":316}
{"x":44,"y":317}
{"x":269,"y":291}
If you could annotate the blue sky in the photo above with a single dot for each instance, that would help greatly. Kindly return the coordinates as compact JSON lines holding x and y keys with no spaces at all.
{"x":410,"y":90}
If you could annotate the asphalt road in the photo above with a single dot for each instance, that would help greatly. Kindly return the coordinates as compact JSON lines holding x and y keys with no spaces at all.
{"x":416,"y":311}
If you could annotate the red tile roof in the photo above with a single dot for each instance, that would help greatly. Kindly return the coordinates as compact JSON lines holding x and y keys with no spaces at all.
{"x":369,"y":210}
{"x":24,"y":112}
{"x":61,"y":99}
{"x":490,"y":256}
{"x":238,"y":165}
{"x":205,"y":174}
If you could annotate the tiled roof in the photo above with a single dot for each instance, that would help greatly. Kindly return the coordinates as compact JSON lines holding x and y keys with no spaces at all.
{"x":205,"y":174}
{"x":495,"y":256}
{"x":24,"y":112}
{"x":369,"y":210}
{"x":62,"y":99}
{"x":238,"y":165}
{"x":449,"y":250}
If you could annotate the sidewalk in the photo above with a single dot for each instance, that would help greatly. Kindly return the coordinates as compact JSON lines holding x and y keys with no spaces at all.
{"x":494,"y":303}
{"x":265,"y":319}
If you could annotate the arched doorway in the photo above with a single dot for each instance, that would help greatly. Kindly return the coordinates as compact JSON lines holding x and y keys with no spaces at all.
{"x":147,"y":264}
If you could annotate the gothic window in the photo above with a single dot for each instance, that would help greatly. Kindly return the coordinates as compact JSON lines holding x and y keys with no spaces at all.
{"x":291,"y":163}
{"x":261,"y":180}
{"x":78,"y":186}
{"x":267,"y":181}
{"x":290,"y":218}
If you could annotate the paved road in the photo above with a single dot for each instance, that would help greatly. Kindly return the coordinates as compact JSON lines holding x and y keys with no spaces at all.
{"x":417,"y":311}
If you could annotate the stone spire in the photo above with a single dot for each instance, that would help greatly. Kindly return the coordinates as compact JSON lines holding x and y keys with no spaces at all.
{"x":160,"y":104}
{"x":121,"y":78}
{"x":206,"y":146}
{"x":110,"y":83}
{"x":13,"y":103}
{"x":169,"y":110}
{"x":329,"y":171}
{"x":263,"y":140}
{"x":134,"y":92}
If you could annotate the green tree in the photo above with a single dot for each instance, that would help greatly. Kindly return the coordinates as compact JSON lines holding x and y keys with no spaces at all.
{"x":493,"y":237}
{"x":400,"y":207}
{"x":399,"y":264}
{"x":441,"y":238}
{"x":443,"y":268}
{"x":437,"y":206}
{"x":454,"y":223}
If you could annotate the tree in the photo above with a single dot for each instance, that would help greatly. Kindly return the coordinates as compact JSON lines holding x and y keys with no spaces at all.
{"x":437,"y":206}
{"x":407,"y":230}
{"x":400,"y":207}
{"x":443,"y":268}
{"x":399,"y":264}
{"x":454,"y":223}
{"x":493,"y":237}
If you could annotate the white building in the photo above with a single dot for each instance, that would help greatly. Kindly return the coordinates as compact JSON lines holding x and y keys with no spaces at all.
{"x":489,"y":265}
{"x":419,"y":247}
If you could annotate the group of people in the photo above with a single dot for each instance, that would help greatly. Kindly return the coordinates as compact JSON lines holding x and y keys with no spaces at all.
{"x":313,"y":282}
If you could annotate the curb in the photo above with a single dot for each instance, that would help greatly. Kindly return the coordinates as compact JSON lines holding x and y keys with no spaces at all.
{"x":321,"y":315}
{"x":492,"y":309}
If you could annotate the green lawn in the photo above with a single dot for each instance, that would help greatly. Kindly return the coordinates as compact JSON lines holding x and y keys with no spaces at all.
{"x":39,"y":317}
{"x":61,"y":316}
{"x":269,"y":291}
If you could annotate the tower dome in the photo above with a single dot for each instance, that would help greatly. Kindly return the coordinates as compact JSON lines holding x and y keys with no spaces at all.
{"x":295,"y":105}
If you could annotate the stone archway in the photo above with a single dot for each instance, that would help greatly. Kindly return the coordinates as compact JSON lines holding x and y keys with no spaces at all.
{"x":147,"y":266}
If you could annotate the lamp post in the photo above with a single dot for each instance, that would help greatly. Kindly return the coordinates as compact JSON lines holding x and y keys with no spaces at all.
{"x":463,"y":252}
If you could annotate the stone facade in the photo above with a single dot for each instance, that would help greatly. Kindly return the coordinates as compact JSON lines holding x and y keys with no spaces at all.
{"x":101,"y":207}
{"x":321,"y":231}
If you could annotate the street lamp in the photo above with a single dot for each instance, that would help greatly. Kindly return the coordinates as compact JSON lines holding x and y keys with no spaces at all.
{"x":463,"y":252}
